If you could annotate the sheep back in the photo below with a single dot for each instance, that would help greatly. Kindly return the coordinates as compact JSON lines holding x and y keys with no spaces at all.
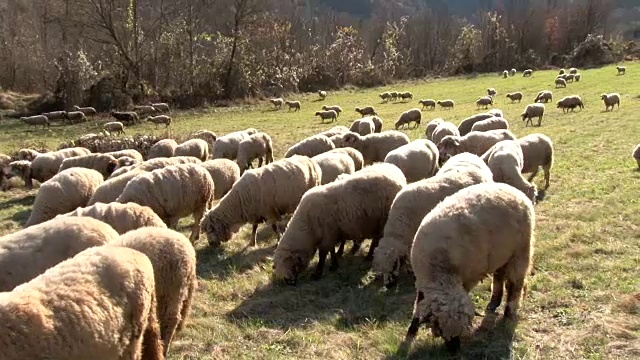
{"x":356,"y":156}
{"x":333,"y":164}
{"x":121,"y":217}
{"x":417,"y":160}
{"x":375,"y":147}
{"x":102,"y":163}
{"x":310,"y":146}
{"x":196,"y":148}
{"x":224,"y":174}
{"x":46,"y":165}
{"x":443,"y":129}
{"x":163,"y":148}
{"x":494,"y":123}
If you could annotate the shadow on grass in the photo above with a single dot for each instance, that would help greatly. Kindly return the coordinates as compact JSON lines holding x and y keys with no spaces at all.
{"x":26,"y":200}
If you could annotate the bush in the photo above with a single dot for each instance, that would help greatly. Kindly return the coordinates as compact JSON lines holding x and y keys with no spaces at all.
{"x":592,"y":51}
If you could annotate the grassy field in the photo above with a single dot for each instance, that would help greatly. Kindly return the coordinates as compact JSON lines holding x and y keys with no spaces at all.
{"x":583,"y":301}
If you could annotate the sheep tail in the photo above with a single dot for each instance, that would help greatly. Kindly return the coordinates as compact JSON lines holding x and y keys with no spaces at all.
{"x":186,"y":305}
{"x":152,"y":348}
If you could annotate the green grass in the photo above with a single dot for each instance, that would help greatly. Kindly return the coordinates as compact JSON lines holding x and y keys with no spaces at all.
{"x":583,"y":301}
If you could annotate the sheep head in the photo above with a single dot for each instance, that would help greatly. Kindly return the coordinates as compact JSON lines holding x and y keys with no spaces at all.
{"x":603,"y":97}
{"x":287,"y":265}
{"x":447,"y":309}
{"x":350,"y":139}
{"x":217,"y":230}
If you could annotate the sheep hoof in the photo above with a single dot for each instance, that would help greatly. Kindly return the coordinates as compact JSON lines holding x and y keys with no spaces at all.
{"x":453,"y":344}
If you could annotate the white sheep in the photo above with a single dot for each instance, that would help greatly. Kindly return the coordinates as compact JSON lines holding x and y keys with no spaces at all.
{"x":431,"y":126}
{"x":516,"y":96}
{"x":531,"y":111}
{"x":561,"y":83}
{"x":36,"y":120}
{"x":131,"y":153}
{"x":277,"y":102}
{"x":537,"y":151}
{"x":375,"y":147}
{"x":577,"y":77}
{"x":264,"y":194}
{"x":128,"y":117}
{"x":446,"y":104}
{"x":484,"y":101}
{"x":405,"y":95}
{"x":610,"y":100}
{"x":87,"y":110}
{"x":27,"y":154}
{"x":636,"y":155}
{"x":621,"y":70}
{"x":417,"y":160}
{"x":573,"y":71}
{"x":428,"y":103}
{"x":505,"y":74}
{"x":257,"y":146}
{"x":465,"y":125}
{"x":197,"y":148}
{"x":55,"y":115}
{"x":46,"y":165}
{"x":364,"y":126}
{"x":310,"y":146}
{"x":75,"y":117}
{"x":527,"y":73}
{"x":224,"y":173}
{"x":143,"y":110}
{"x":163,"y":148}
{"x":409,"y":116}
{"x":102,"y":163}
{"x":329,"y":114}
{"x":443,"y":129}
{"x":513,"y":72}
{"x":293,"y":105}
{"x":506,"y":161}
{"x":121,"y":217}
{"x":367,"y":110}
{"x":491,"y":92}
{"x":160,"y":119}
{"x":385,"y":96}
{"x":494,"y":123}
{"x":475,"y":142}
{"x":332,"y":164}
{"x":570,"y":103}
{"x":322,"y":94}
{"x":161,"y":107}
{"x":226,"y":147}
{"x":355,"y":155}
{"x":336,"y":130}
{"x":335,"y":108}
{"x":206,"y":135}
{"x":114,"y":127}
{"x":496,"y":113}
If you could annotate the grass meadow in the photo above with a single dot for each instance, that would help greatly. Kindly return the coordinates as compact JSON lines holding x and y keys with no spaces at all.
{"x":583,"y":301}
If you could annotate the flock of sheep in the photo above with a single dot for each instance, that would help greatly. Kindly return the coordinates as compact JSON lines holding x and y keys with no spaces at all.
{"x":451,"y":208}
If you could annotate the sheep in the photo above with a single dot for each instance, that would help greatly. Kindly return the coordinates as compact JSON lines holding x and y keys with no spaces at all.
{"x":573,"y":71}
{"x":160,"y":119}
{"x":174,"y":267}
{"x":130,"y":153}
{"x":159,"y":163}
{"x":375,"y":147}
{"x":206,"y":135}
{"x":19,"y":168}
{"x":224,"y":173}
{"x":516,"y":96}
{"x":36,"y":120}
{"x":335,"y":108}
{"x":364,"y":126}
{"x":414,"y":202}
{"x":197,"y":148}
{"x":356,"y":156}
{"x":330,"y":114}
{"x":293,"y":105}
{"x":417,"y":160}
{"x":377,"y":123}
{"x":161,"y":107}
{"x":99,"y":304}
{"x":513,"y":72}
{"x":621,"y":70}
{"x":30,"y":252}
{"x":173,"y":192}
{"x":577,"y":77}
{"x":75,"y":117}
{"x":121,"y":217}
{"x":143,"y":110}
{"x":505,"y":74}
{"x":494,"y":123}
{"x":257,"y":146}
{"x":569,"y":103}
{"x":492,"y":92}
{"x":431,"y":126}
{"x":527,"y":73}
{"x":46,"y":165}
{"x":561,"y":83}
{"x":446,"y":104}
{"x":537,"y":151}
{"x":332,"y":164}
{"x":322,"y":94}
{"x":87,"y":111}
{"x":128,"y":117}
{"x":394,"y":95}
{"x":163,"y":148}
{"x":55,"y":115}
{"x":569,"y":78}
{"x":277,"y":102}
{"x":465,"y":125}
{"x":27,"y":154}
{"x":448,"y":260}
{"x":310,"y":146}
{"x":496,"y":113}
{"x":428,"y":103}
{"x":264,"y":194}
{"x":636,"y":155}
{"x":226,"y":147}
{"x":367,"y":110}
{"x":506,"y":161}
{"x":102,"y":163}
{"x":66,"y":191}
{"x":385,"y":96}
{"x":354,"y":208}
{"x":124,"y":162}
{"x":443,"y":129}
{"x":475,"y":142}
{"x":114,"y":127}
{"x":484,"y":101}
{"x":531,"y":111}
{"x":405,"y":95}
{"x":561,"y":72}
{"x":336,"y":130}
{"x":544,"y":96}
{"x":409,"y":116}
{"x":610,"y":100}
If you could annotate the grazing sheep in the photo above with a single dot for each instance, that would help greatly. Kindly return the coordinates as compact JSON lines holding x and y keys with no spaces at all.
{"x":394,"y":95}
{"x":174,"y":267}
{"x":516,"y":96}
{"x":417,"y":160}
{"x":19,"y":168}
{"x":128,"y":117}
{"x":561,"y":72}
{"x":277,"y":103}
{"x":46,"y":165}
{"x":569,"y":78}
{"x":428,"y":103}
{"x":99,"y":305}
{"x":621,"y":70}
{"x":446,"y":104}
{"x":27,"y":154}
{"x":385,"y":96}
{"x":55,"y":115}
{"x":310,"y":146}
{"x":196,"y":148}
{"x":513,"y":72}
{"x":330,"y":114}
{"x":475,"y":142}
{"x":527,"y":73}
{"x":102,"y":163}
{"x":636,"y":155}
{"x":226,"y":147}
{"x":377,"y":123}
{"x":569,"y":103}
{"x":405,"y":95}
{"x":465,"y":125}
{"x":333,"y":164}
{"x":159,"y":163}
{"x":160,"y":119}
{"x":505,"y":74}
{"x":36,"y":120}
{"x":121,"y":217}
{"x":131,"y":153}
{"x":356,"y":156}
{"x":431,"y":127}
{"x":492,"y":92}
{"x":577,"y":77}
{"x":224,"y":173}
{"x":544,"y":96}
{"x":336,"y":130}
{"x":161,"y":107}
{"x":537,"y":151}
{"x":506,"y":162}
{"x":355,"y":208}
{"x":494,"y":123}
{"x":484,"y":101}
{"x":364,"y":126}
{"x":257,"y":146}
{"x":206,"y":135}
{"x":75,"y":117}
{"x":573,"y":71}
{"x":163,"y":148}
{"x":114,"y":127}
{"x":322,"y":94}
{"x":409,"y":116}
{"x":88,"y":110}
{"x":173,"y":192}
{"x":496,"y":113}
{"x":375,"y":147}
{"x":293,"y":105}
{"x":443,"y":129}
{"x":264,"y":194}
{"x":335,"y":108}
{"x":561,"y":83}
{"x":143,"y":110}
{"x":448,"y":260}
{"x":531,"y":111}
{"x":414,"y":202}
{"x":367,"y":110}
{"x":610,"y":100}
{"x":124,"y":162}
{"x":66,"y":191}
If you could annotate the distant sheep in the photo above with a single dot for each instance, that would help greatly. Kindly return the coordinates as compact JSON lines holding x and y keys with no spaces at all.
{"x":322,"y":94}
{"x":36,"y":120}
{"x":224,"y":173}
{"x":561,"y":83}
{"x":143,"y":110}
{"x":505,"y":74}
{"x":636,"y":155}
{"x":114,"y":127}
{"x":444,"y":129}
{"x":431,"y":126}
{"x":310,"y":146}
{"x":428,"y":103}
{"x":161,"y":107}
{"x":293,"y":105}
{"x":531,"y":111}
{"x":417,"y":160}
{"x":494,"y":123}
{"x":513,"y":72}
{"x":375,"y":147}
{"x":128,"y":117}
{"x":335,"y":108}
{"x":405,"y":95}
{"x":55,"y":115}
{"x":544,"y":96}
{"x":573,"y":71}
{"x":446,"y":104}
{"x":570,"y":103}
{"x":537,"y":151}
{"x":484,"y":101}
{"x":409,"y":116}
{"x":367,"y":110}
{"x":197,"y":148}
{"x":527,"y":73}
{"x":621,"y":70}
{"x":385,"y":96}
{"x":75,"y":117}
{"x":610,"y":100}
{"x":121,"y":217}
{"x":506,"y":162}
{"x":88,"y":111}
{"x":561,"y":72}
{"x":475,"y":142}
{"x":492,"y":92}
{"x":516,"y":96}
{"x":277,"y":102}
{"x":329,"y":114}
{"x":577,"y":77}
{"x":160,"y":119}
{"x":333,"y":164}
{"x":377,"y":123}
{"x":257,"y":146}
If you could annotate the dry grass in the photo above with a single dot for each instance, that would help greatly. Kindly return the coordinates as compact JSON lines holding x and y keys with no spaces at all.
{"x":583,"y":301}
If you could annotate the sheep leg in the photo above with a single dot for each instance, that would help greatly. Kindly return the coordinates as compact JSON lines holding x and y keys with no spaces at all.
{"x":514,"y":293}
{"x":341,"y":248}
{"x":334,"y":260}
{"x":547,"y":176}
{"x":535,"y":172}
{"x":355,"y":247}
{"x":260,"y":161}
{"x":322,"y":258}
{"x":374,"y":245}
{"x":195,"y":229}
{"x":412,"y":332}
{"x":254,"y":233}
{"x":274,"y":227}
{"x":497,"y":291}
